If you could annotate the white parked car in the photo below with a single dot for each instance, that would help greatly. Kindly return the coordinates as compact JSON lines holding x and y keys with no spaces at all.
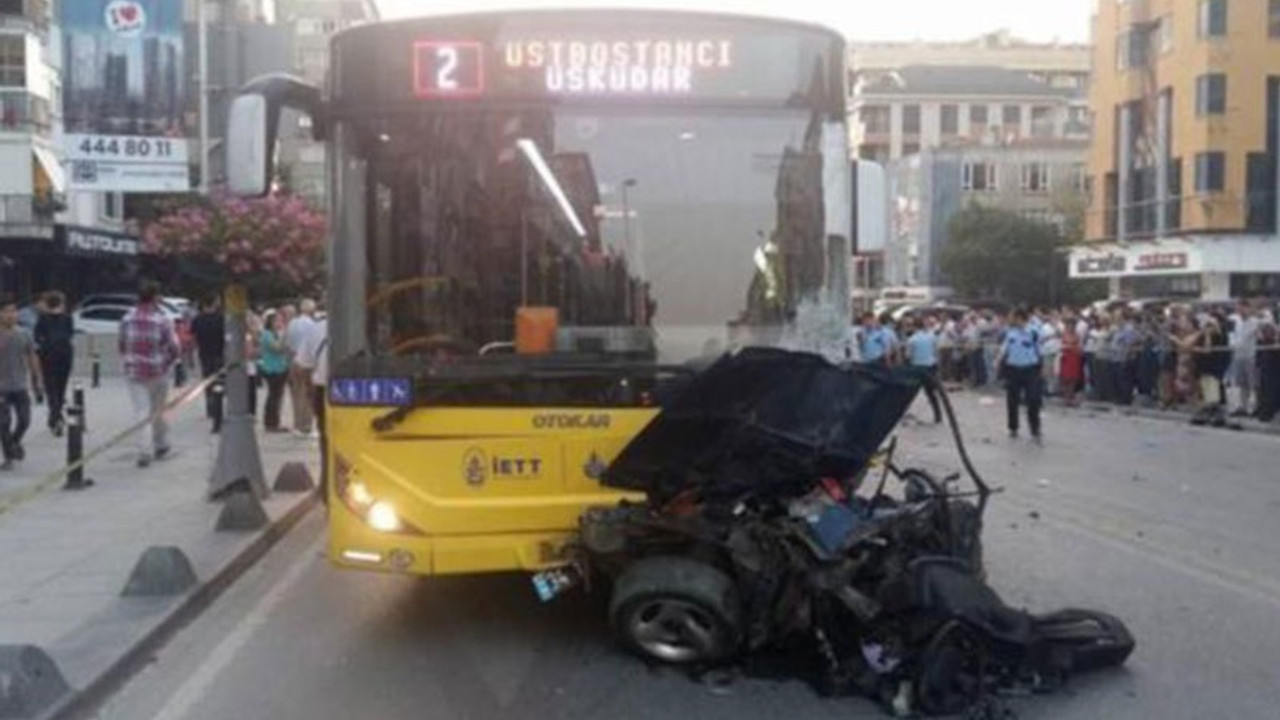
{"x":171,"y":306}
{"x":100,"y":319}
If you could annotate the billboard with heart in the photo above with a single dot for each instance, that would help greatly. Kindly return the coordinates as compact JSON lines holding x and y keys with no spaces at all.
{"x":124,"y":89}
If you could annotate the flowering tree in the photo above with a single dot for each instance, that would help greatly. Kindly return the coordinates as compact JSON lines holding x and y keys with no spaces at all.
{"x":275,"y":243}
{"x":271,"y":245}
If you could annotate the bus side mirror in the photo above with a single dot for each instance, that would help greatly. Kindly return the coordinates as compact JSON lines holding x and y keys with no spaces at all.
{"x":250,"y":146}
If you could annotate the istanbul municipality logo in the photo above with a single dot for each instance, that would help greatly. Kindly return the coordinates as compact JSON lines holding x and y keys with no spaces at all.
{"x":126,"y":18}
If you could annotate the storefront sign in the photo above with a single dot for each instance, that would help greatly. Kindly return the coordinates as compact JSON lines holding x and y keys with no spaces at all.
{"x":93,"y":243}
{"x":1143,"y":259}
{"x":1100,"y":265}
{"x":1161,"y":261}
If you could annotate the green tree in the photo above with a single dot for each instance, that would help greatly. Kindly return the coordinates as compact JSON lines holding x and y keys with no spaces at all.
{"x":999,"y":255}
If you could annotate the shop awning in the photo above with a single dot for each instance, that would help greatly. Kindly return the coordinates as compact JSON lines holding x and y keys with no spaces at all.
{"x":48,"y":164}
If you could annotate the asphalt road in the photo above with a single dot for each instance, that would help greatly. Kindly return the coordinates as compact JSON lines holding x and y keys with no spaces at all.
{"x":1175,"y":529}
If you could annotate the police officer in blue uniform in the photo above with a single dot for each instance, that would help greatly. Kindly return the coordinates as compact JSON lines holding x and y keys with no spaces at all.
{"x":876,"y":343}
{"x":1021,"y":362}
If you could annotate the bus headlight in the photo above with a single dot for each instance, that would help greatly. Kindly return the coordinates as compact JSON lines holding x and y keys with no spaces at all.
{"x":379,"y":514}
{"x":382,"y":517}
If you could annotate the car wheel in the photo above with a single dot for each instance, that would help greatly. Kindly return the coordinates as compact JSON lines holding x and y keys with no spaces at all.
{"x":676,"y":610}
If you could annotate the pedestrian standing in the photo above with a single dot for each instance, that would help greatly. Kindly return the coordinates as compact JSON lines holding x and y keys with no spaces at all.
{"x":149,"y":348}
{"x":55,"y":336}
{"x":1019,"y":356}
{"x":1268,"y":366}
{"x":875,"y":342}
{"x":252,"y":354}
{"x":1071,"y":370}
{"x":922,"y":354}
{"x":273,"y":361}
{"x":319,"y":381}
{"x":1094,"y":343}
{"x":1124,"y":354}
{"x":1244,"y":368}
{"x":18,"y":366}
{"x":186,"y":364}
{"x":1050,"y":351}
{"x":210,"y":332}
{"x":1185,"y":337}
{"x":976,"y":353}
{"x":300,"y":337}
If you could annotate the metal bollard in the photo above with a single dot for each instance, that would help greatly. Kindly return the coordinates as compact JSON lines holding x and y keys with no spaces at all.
{"x":75,"y":442}
{"x":77,"y":399}
{"x":97,"y":369}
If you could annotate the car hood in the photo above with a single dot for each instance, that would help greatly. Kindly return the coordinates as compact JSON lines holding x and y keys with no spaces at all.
{"x":765,"y":423}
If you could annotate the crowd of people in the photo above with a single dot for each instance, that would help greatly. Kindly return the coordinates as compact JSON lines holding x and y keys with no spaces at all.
{"x":284,"y":354}
{"x":1216,"y":363}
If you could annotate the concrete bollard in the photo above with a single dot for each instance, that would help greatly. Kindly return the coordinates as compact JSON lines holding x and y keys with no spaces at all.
{"x":160,"y":571}
{"x":294,"y":477}
{"x":31,"y":682}
{"x":242,"y":511}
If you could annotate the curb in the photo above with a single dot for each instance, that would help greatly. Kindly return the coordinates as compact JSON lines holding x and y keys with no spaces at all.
{"x":83,"y":703}
{"x":1245,"y":425}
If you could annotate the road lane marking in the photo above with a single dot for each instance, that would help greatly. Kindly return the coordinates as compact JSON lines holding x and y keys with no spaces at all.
{"x":183,"y":701}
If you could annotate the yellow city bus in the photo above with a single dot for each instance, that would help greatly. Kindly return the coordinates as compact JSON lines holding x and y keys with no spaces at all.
{"x":542,"y":222}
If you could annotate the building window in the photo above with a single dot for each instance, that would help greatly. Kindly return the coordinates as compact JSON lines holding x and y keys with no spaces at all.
{"x":1035,"y":178}
{"x":950,"y":120}
{"x":1273,"y":18}
{"x":911,"y":119}
{"x":1042,"y":121}
{"x":1260,"y":192}
{"x":979,"y":177}
{"x":1211,"y":94}
{"x":911,"y":148}
{"x":13,"y":61}
{"x":875,"y":118}
{"x":1012,"y":115}
{"x":1210,"y":171}
{"x":1213,"y":18}
{"x":1131,"y":49}
{"x":978,"y":119}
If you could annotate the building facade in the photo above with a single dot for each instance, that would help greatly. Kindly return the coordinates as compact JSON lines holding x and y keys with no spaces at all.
{"x":1040,"y":181}
{"x":1182,"y":170}
{"x":49,"y":238}
{"x":994,"y":120}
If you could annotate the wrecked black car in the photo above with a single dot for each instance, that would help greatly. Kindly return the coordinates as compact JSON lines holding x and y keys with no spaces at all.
{"x":777,"y":523}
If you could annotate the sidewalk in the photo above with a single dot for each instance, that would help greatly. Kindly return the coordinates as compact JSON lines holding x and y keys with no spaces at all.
{"x":1137,"y":409}
{"x":67,"y":555}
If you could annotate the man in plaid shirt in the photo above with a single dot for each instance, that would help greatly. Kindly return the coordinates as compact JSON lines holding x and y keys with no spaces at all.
{"x":149,"y":347}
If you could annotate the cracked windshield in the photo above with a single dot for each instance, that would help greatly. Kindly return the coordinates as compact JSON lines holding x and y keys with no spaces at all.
{"x":501,"y":359}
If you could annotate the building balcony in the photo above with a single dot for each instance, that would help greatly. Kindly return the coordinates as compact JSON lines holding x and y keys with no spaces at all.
{"x":24,"y":14}
{"x":29,"y":216}
{"x":23,"y":112}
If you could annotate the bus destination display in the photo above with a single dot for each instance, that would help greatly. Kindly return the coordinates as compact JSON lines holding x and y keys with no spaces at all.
{"x":632,"y":67}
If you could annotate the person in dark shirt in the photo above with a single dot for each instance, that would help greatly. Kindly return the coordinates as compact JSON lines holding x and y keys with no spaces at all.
{"x":210,"y":332}
{"x":54,"y":336}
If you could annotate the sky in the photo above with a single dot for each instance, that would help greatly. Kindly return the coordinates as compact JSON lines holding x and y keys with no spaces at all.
{"x":1037,"y":20}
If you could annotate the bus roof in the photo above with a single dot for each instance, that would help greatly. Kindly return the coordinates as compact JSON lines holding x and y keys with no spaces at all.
{"x":743,"y":18}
